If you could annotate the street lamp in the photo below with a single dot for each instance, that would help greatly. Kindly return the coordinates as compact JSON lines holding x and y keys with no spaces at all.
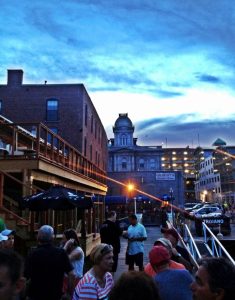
{"x":171,"y":198}
{"x":204,"y":194}
{"x":131,"y":188}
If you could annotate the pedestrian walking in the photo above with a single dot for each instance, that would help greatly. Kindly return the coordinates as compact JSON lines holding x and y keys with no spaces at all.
{"x":136,"y":235}
{"x":110,"y":233}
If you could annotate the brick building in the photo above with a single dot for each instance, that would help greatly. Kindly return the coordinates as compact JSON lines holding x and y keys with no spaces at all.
{"x":65,"y":108}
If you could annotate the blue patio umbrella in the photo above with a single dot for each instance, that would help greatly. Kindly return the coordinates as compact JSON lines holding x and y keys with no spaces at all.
{"x":56,"y":198}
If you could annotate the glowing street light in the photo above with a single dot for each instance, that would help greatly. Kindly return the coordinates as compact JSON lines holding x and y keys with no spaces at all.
{"x":131,"y":188}
{"x":205,"y":194}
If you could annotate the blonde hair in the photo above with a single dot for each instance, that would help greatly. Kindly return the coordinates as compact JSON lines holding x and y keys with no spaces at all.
{"x":98,"y":252}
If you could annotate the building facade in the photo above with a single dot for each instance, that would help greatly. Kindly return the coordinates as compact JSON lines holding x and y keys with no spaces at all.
{"x":65,"y":108}
{"x":208,"y":183}
{"x":215,"y":179}
{"x":141,"y":166}
{"x":181,"y":159}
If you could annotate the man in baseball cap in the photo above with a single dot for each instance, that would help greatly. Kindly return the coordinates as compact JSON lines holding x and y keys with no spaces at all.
{"x":3,"y":239}
{"x":172,"y":264}
{"x":172,"y":284}
{"x":10,"y":234}
{"x":179,"y":254}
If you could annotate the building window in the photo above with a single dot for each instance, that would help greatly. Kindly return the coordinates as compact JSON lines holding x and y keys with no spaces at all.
{"x":86,"y":115}
{"x":124,"y":164}
{"x":141,"y":163}
{"x":52,"y":110}
{"x":92,"y":121}
{"x":123,"y":140}
{"x":0,"y":106}
{"x":85,"y":145}
{"x":95,"y":129}
{"x":96,"y":157}
{"x":90,"y":152}
{"x":152,"y":164}
{"x":99,"y":136}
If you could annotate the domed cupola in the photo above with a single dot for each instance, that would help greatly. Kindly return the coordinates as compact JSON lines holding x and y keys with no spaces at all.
{"x":123,"y":131}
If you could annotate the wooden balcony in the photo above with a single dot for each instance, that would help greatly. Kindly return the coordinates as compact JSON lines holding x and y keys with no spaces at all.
{"x":32,"y":158}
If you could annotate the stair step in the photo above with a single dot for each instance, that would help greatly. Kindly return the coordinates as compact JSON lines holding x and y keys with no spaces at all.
{"x":22,"y":224}
{"x":202,"y":248}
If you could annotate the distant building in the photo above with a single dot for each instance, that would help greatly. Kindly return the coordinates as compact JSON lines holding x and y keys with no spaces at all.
{"x":215,"y":178}
{"x":65,"y":108}
{"x":207,"y":184}
{"x":181,"y":159}
{"x":141,"y":166}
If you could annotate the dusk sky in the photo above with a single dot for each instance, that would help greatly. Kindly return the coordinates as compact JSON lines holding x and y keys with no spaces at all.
{"x":169,"y":64}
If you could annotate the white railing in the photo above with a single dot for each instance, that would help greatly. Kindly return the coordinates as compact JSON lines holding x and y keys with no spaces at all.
{"x":191,"y":245}
{"x":216,"y":249}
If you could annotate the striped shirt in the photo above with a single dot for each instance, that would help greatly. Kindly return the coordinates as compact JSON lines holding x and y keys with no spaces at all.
{"x":88,"y":288}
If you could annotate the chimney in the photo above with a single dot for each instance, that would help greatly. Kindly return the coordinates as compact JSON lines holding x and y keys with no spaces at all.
{"x":14,"y":78}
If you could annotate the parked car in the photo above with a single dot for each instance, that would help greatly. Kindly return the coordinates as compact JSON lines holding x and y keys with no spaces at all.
{"x":196,"y":206}
{"x":215,"y":204}
{"x":205,"y":210}
{"x":190,"y":205}
{"x":212,"y":214}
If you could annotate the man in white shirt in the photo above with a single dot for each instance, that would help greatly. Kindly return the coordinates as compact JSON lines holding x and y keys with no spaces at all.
{"x":136,"y":235}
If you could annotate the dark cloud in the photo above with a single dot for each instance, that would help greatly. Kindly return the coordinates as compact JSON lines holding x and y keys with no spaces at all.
{"x":163,"y":121}
{"x":177,"y":133}
{"x":166,"y":94}
{"x":208,"y":78}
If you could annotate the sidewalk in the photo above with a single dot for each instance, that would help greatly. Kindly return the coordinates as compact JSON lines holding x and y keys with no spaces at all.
{"x":153,"y":234}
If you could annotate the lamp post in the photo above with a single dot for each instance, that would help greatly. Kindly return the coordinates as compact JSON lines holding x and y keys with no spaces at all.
{"x":130,"y":188}
{"x":171,"y":197}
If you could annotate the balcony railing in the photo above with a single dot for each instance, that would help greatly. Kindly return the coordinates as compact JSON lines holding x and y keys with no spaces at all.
{"x":34,"y":141}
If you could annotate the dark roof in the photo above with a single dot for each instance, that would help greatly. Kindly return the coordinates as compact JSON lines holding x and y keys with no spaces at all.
{"x":219,"y":142}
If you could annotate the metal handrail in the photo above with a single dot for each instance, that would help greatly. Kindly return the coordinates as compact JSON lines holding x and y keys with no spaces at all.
{"x":55,"y":149}
{"x":192,"y":245}
{"x":170,"y":225}
{"x":216,"y":246}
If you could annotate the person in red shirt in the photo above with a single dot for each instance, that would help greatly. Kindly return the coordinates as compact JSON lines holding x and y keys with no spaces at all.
{"x":148,"y":269}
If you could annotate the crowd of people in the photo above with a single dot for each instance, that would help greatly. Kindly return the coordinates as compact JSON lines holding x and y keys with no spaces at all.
{"x":52,"y":272}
